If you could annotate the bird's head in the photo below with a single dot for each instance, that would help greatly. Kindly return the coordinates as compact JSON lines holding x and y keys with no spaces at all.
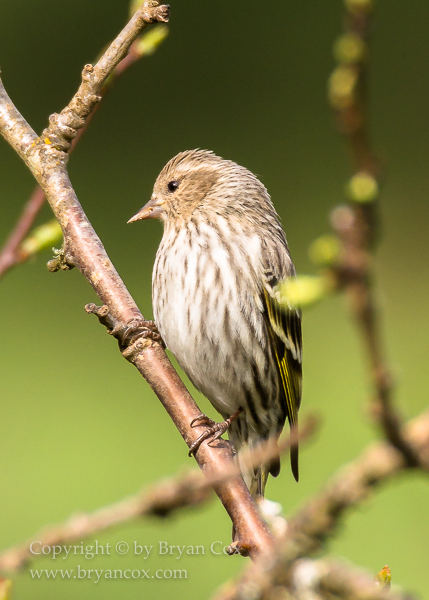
{"x":183,"y":185}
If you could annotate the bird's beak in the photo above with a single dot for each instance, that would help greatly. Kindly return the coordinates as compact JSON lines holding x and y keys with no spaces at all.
{"x":152,"y":210}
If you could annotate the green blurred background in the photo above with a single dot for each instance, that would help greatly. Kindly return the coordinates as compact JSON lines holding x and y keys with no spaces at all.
{"x":79,"y":427}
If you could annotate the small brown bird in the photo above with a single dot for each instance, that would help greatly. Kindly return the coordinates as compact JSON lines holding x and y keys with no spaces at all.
{"x":214,"y":281}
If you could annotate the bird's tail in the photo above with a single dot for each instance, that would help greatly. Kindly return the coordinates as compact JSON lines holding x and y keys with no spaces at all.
{"x":255,"y":478}
{"x":294,"y":451}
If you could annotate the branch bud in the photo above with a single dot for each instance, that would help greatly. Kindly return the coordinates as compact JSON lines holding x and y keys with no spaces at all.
{"x":5,"y":587}
{"x":362,"y":188}
{"x":383,"y":578}
{"x":325,"y":250}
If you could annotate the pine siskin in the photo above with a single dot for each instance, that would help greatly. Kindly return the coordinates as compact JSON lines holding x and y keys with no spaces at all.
{"x":214,"y":285}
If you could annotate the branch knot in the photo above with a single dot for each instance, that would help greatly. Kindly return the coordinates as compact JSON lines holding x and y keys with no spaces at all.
{"x":87,"y":72}
{"x":62,"y":261}
{"x":160,"y":14}
{"x":63,"y":129}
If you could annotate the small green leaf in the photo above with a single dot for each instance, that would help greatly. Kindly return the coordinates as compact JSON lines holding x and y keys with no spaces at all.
{"x":303,"y":290}
{"x":42,"y":237}
{"x":349,"y":48}
{"x":149,"y":41}
{"x":325,"y":250}
{"x":341,"y":87}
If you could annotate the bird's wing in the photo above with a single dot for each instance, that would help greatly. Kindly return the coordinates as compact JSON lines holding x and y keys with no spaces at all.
{"x":284,"y":327}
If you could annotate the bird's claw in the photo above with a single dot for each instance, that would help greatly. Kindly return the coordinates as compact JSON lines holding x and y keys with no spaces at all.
{"x":140,"y":329}
{"x":202,"y":419}
{"x":214,"y":431}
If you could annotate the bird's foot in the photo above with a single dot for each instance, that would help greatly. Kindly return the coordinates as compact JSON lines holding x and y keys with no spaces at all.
{"x":214,"y":431}
{"x":139,"y":328}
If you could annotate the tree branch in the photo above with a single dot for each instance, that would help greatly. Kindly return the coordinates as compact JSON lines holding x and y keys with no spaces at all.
{"x":356,"y":223}
{"x":165,"y":497}
{"x":320,"y":579}
{"x":309,"y":530}
{"x":160,"y":500}
{"x":10,"y":254}
{"x":47,"y":158}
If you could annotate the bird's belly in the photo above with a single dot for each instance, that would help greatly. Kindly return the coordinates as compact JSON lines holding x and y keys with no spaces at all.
{"x":212,"y":325}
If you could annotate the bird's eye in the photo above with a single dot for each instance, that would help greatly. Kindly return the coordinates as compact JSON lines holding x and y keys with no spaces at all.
{"x":172,"y":186}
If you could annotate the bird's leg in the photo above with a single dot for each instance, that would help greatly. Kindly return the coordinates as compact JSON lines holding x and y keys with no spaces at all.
{"x":139,"y":328}
{"x":214,"y":431}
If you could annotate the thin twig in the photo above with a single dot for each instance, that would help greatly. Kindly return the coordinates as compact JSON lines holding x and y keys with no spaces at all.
{"x":10,"y":254}
{"x":161,"y":499}
{"x":356,"y":223}
{"x":310,"y":529}
{"x":165,"y":497}
{"x":47,"y":158}
{"x":327,"y":579}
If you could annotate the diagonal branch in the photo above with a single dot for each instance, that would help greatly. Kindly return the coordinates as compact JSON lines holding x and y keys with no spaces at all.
{"x":10,"y":254}
{"x":309,"y":530}
{"x":47,"y":157}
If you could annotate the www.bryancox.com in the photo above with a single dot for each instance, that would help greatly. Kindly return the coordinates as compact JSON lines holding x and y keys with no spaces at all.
{"x":97,"y":574}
